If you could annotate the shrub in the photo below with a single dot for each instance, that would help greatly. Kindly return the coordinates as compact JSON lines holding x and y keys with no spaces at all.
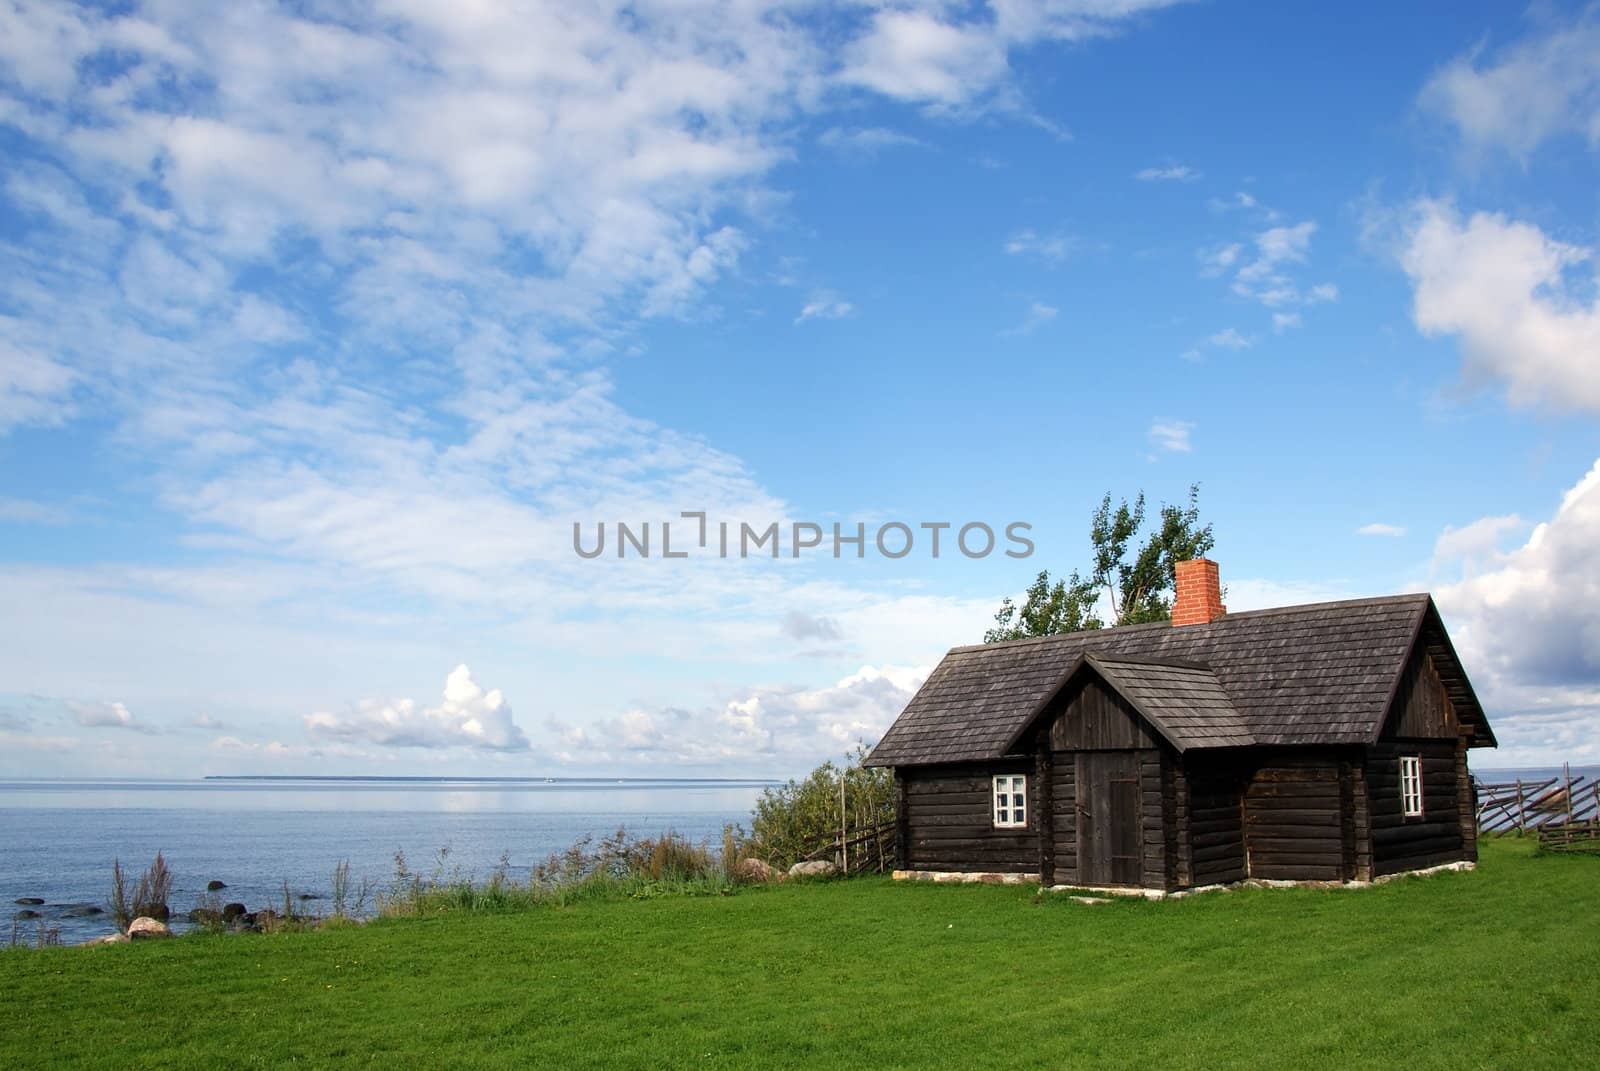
{"x":793,"y":820}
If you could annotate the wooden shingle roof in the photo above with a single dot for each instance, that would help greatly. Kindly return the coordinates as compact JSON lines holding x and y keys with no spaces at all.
{"x":1317,"y":674}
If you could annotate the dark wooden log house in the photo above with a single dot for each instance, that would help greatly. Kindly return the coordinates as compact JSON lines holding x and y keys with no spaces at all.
{"x":1306,"y":743}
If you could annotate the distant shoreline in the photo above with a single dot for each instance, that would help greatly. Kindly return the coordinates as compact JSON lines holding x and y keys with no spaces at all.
{"x":388,"y":779}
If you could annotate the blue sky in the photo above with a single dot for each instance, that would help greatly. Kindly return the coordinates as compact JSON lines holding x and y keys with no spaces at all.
{"x":320,"y":326}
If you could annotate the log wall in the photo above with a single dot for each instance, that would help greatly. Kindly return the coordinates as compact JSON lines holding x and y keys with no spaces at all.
{"x":1401,"y":843}
{"x":1294,"y":820}
{"x":949,"y":819}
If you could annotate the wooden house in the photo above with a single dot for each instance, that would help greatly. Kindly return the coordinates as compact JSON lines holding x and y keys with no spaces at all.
{"x":1305,"y":743}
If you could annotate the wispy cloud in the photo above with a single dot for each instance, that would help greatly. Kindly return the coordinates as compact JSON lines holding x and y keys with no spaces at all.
{"x":1170,"y":173}
{"x":1051,"y":247}
{"x":1172,"y":436}
{"x":1394,"y":531}
{"x":1039,"y":314}
{"x":1517,"y":97}
{"x":824,"y":305}
{"x":867,"y":140}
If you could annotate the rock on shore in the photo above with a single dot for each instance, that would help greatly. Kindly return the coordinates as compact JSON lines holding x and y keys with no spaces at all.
{"x":144,"y":926}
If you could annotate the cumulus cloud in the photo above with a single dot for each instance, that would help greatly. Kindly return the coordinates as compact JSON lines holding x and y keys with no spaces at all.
{"x":1515,"y":98}
{"x":1527,"y":620}
{"x":1523,"y":305}
{"x":783,"y":728}
{"x":107,"y":716}
{"x":468,"y":717}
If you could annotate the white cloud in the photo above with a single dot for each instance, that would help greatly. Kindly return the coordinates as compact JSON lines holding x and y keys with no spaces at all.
{"x":867,"y":140}
{"x":1515,"y":298}
{"x":773,"y":727}
{"x":26,"y":511}
{"x":1283,"y":321}
{"x":1172,"y":435}
{"x":468,"y":717}
{"x":1475,"y":541}
{"x":1219,"y":260}
{"x":1050,"y":247}
{"x":1230,"y":339}
{"x":1378,"y":528}
{"x":1546,"y":85}
{"x":33,"y":389}
{"x":824,"y":305}
{"x":804,"y":627}
{"x":1039,"y":314}
{"x":206,"y":721}
{"x":949,"y":56}
{"x":1527,"y":623}
{"x":113,"y":715}
{"x":1170,"y":173}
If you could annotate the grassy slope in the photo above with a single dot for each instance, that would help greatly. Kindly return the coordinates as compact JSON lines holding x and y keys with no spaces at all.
{"x":1494,"y":969}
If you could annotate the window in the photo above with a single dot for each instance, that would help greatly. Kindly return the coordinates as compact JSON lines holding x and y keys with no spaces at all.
{"x":1411,"y":785}
{"x":1011,"y":800}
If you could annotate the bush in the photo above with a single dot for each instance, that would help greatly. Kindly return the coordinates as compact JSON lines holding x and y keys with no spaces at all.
{"x":794,"y":820}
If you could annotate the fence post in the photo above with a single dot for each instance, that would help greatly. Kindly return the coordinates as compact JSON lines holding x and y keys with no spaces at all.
{"x":1566,"y":771}
{"x":844,"y":836}
{"x":1522,"y":814}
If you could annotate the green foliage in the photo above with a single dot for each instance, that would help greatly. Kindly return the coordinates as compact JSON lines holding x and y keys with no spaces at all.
{"x":1494,"y":969}
{"x":792,"y":820}
{"x":614,"y":867}
{"x":1137,"y":590}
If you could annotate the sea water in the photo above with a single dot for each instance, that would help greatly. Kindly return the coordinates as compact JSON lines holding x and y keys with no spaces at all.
{"x":58,"y":838}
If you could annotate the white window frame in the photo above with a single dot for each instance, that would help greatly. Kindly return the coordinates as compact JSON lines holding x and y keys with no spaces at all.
{"x":1411,"y":786}
{"x":1008,"y":800}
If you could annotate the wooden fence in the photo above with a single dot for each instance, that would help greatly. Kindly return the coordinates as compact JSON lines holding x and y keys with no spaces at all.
{"x":1562,"y":811}
{"x":860,"y":849}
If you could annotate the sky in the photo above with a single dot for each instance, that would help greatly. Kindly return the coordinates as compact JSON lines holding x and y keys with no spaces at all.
{"x":325,"y":328}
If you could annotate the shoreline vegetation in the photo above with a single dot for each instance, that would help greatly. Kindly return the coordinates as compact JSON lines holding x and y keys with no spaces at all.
{"x":1499,"y":967}
{"x":790,"y":821}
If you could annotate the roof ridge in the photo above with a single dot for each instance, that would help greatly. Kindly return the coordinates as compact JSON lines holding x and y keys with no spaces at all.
{"x":1123,"y":630}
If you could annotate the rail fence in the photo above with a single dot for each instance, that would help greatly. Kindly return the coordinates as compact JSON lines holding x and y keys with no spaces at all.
{"x":1562,"y":811}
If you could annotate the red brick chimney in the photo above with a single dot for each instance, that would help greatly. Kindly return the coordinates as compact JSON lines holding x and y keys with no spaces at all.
{"x":1199,"y":600}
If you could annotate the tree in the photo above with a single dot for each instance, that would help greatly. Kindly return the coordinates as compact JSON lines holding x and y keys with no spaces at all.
{"x":1136,"y":591}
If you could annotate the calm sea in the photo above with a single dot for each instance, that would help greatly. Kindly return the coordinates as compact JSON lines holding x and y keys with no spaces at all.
{"x":58,"y":838}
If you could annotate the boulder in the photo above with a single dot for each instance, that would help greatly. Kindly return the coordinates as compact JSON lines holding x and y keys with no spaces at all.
{"x":815,"y":868}
{"x":309,"y":896}
{"x":145,"y":926}
{"x":29,"y":901}
{"x":108,"y":939}
{"x":26,"y":914}
{"x":83,"y":911}
{"x":213,"y":885}
{"x":232,"y":911}
{"x":159,"y":912}
{"x":753,"y":870}
{"x":205,"y":916}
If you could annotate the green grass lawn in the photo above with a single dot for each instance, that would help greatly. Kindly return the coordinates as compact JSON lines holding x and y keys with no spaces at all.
{"x":1498,"y":968}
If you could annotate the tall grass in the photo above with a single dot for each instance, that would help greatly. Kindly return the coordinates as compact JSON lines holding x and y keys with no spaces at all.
{"x":614,"y":867}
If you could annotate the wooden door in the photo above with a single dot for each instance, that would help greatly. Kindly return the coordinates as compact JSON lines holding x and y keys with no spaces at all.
{"x":1108,"y":818}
